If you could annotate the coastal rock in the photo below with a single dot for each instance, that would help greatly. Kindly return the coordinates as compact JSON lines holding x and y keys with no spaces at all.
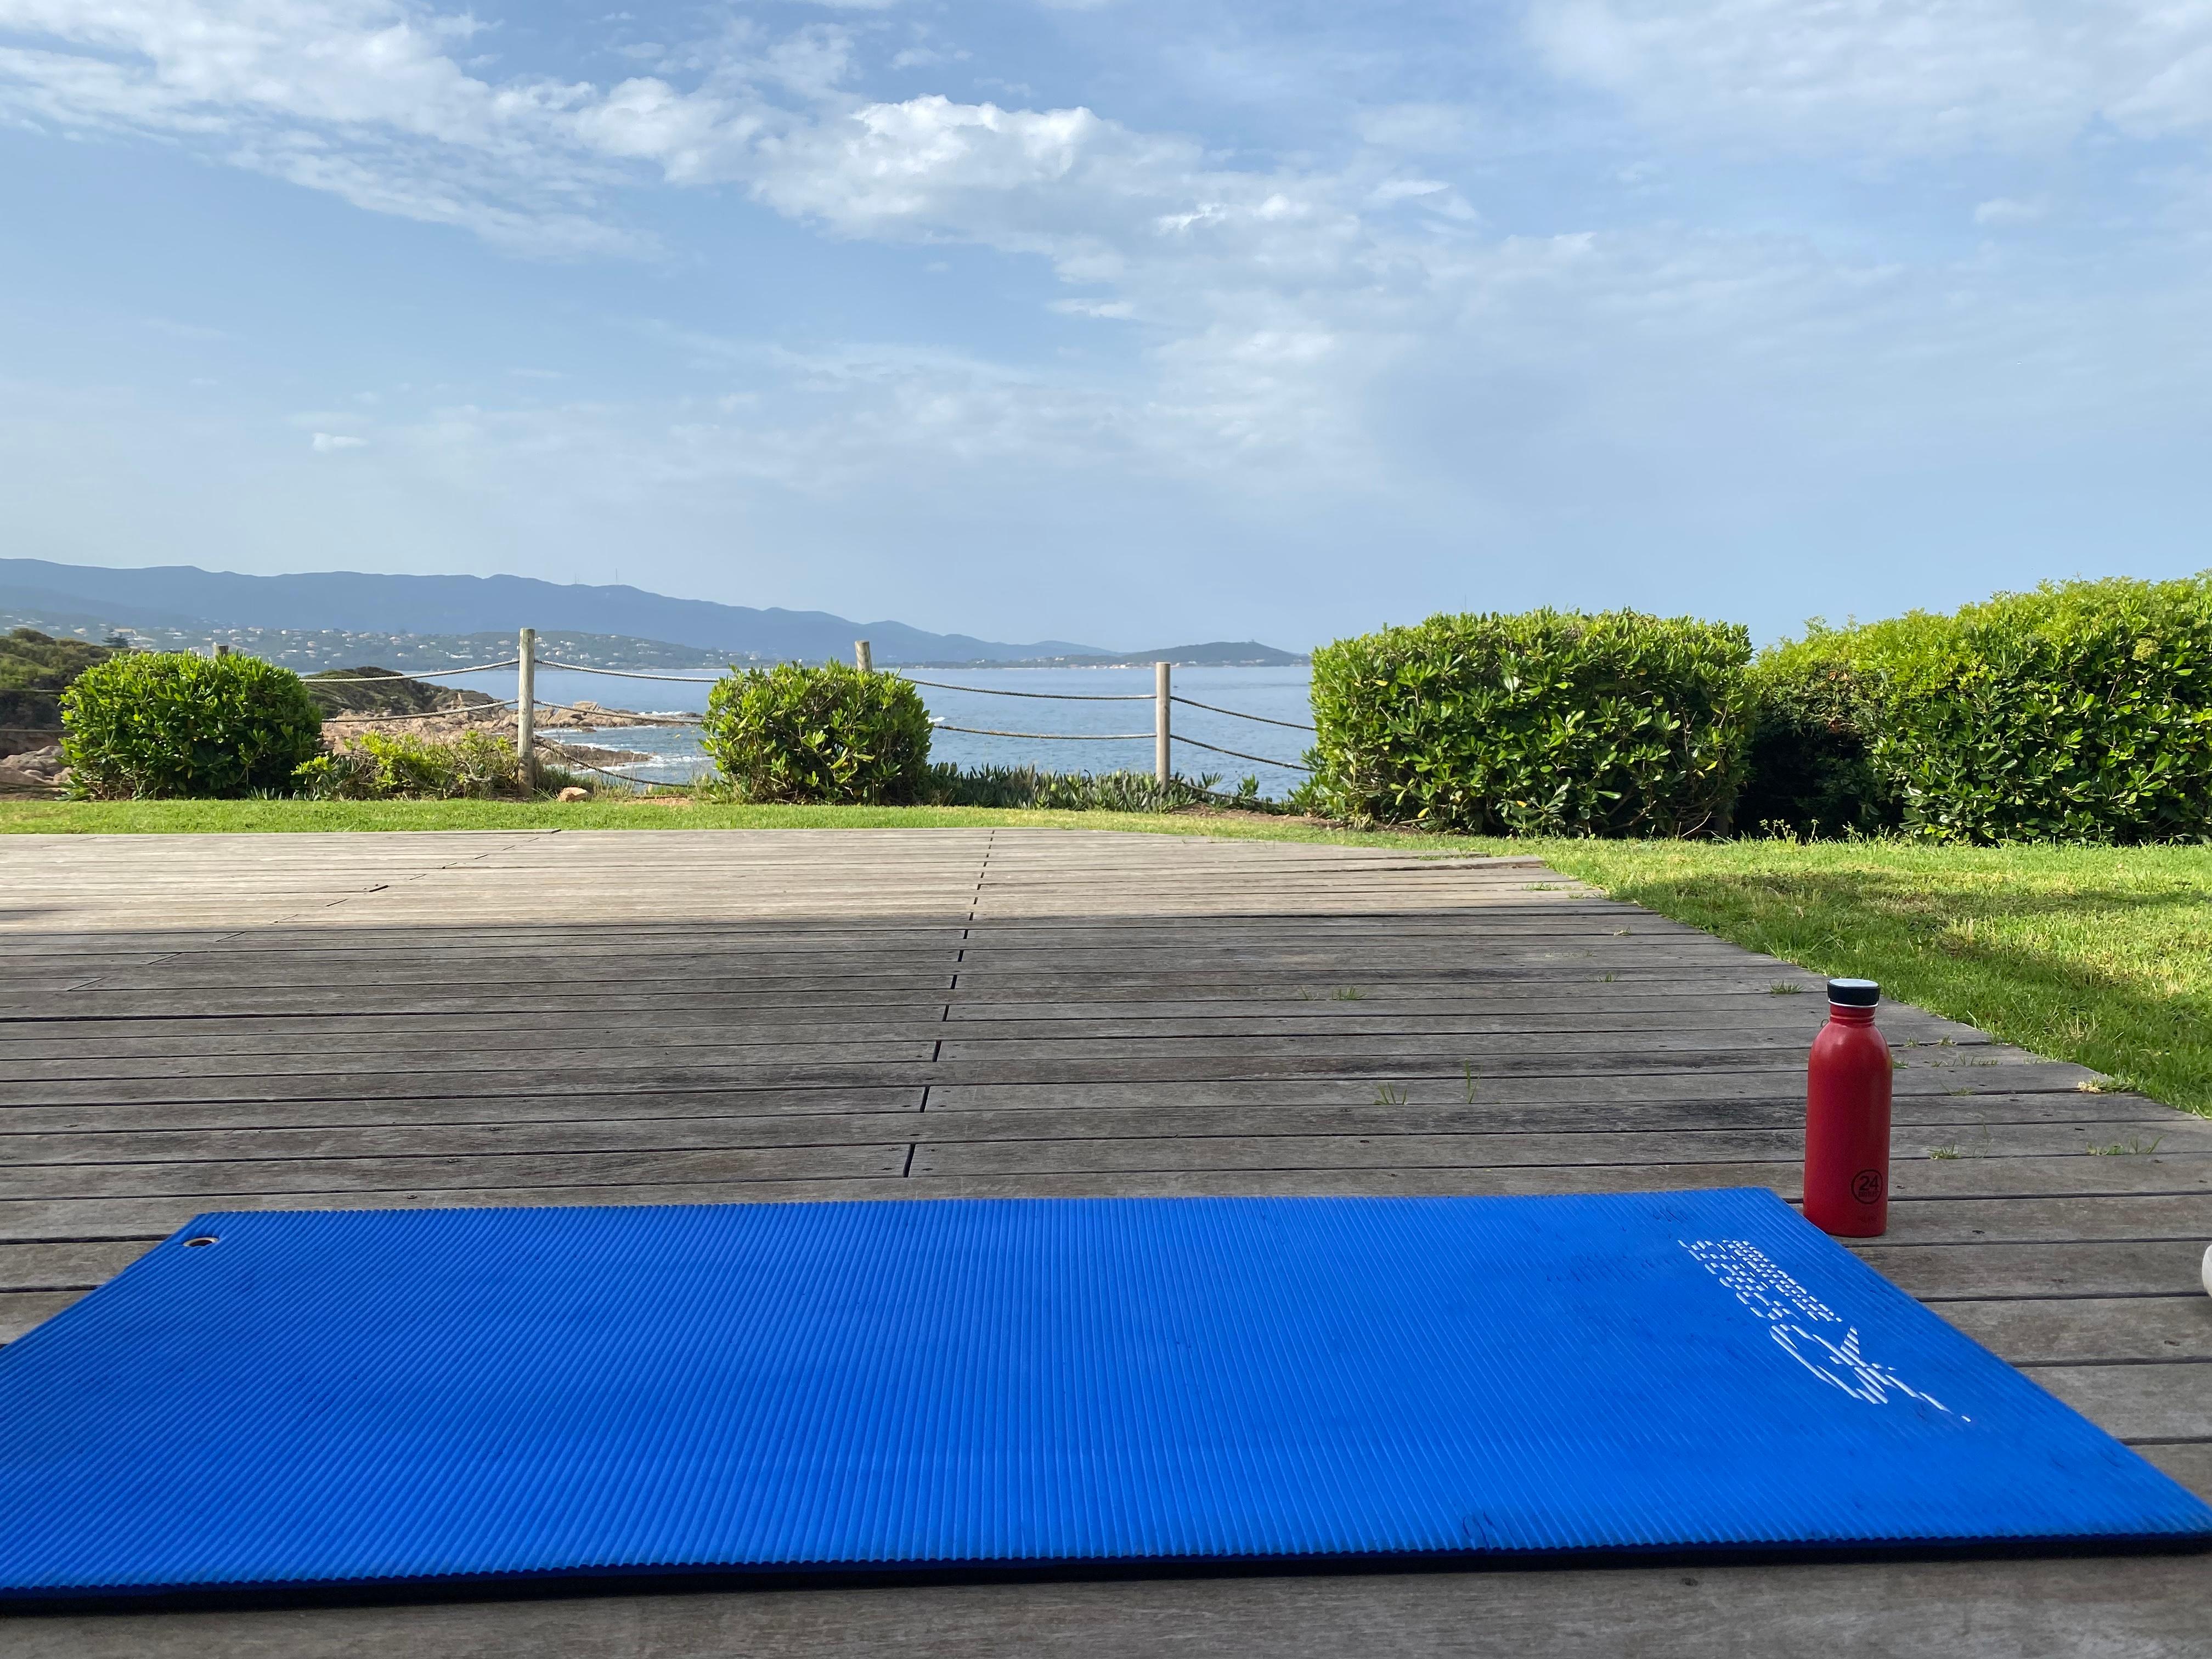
{"x":36,"y":773}
{"x":572,"y":792}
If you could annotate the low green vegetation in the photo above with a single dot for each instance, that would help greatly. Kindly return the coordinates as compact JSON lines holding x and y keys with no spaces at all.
{"x":1085,"y":791}
{"x":35,"y":669}
{"x":398,"y":766}
{"x":2094,"y":954}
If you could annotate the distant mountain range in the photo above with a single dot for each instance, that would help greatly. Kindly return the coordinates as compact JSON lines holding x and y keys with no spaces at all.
{"x":319,"y":619}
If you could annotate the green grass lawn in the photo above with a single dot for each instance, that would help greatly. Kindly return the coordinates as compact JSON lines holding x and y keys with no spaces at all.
{"x":2097,"y":955}
{"x":2101,"y":956}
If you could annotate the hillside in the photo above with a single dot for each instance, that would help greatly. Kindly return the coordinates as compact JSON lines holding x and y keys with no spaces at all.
{"x":183,"y":598}
{"x":35,"y":670}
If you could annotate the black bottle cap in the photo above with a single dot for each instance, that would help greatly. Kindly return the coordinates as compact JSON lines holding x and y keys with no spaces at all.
{"x":1854,"y":993}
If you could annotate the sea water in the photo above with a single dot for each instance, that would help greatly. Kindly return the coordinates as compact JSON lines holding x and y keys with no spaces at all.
{"x":1096,"y":736}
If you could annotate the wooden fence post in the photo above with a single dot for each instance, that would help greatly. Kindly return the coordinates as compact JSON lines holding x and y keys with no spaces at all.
{"x":526,"y":710}
{"x":1162,"y":743}
{"x":863,"y":658}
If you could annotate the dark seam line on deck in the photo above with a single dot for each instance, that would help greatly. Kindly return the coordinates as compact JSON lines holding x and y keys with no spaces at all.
{"x":1287,"y":1131}
{"x":2163,"y":1439}
{"x":215,"y":1200}
{"x":2107,"y":1365}
{"x":1368,"y":1138}
{"x":1074,"y":1026}
{"x":1953,"y":1298}
{"x":1860,"y":1246}
{"x":866,"y":1075}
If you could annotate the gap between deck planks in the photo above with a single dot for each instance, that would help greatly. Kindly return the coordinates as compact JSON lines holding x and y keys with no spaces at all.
{"x":696,"y":1017}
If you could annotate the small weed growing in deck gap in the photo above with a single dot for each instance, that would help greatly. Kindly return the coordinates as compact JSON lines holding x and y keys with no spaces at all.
{"x":2134,"y":1148}
{"x":1349,"y":994}
{"x":1785,"y":987}
{"x":1467,"y":1070}
{"x":1387,"y":1096}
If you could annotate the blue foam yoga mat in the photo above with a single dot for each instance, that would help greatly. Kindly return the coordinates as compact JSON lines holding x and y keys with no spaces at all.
{"x":331,"y":1399}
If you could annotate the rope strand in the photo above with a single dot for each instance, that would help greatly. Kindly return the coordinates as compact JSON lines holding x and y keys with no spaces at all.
{"x":1264,"y":720}
{"x":1054,"y":697}
{"x":407,"y":674}
{"x":1238,"y":754}
{"x":624,"y":674}
{"x":1057,"y":737}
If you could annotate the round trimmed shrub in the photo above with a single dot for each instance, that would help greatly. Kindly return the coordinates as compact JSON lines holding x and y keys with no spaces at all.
{"x":165,"y":724}
{"x":831,"y":734}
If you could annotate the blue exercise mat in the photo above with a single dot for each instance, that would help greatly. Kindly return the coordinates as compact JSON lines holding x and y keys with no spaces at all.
{"x":337,"y":1399}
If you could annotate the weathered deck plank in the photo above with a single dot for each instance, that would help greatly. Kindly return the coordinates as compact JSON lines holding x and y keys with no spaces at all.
{"x":502,"y":1018}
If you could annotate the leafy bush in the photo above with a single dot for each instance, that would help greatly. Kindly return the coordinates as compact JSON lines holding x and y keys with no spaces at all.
{"x":829,"y":734}
{"x":387,"y":766}
{"x":2081,"y":712}
{"x":154,"y":725}
{"x":1544,"y":723}
{"x":35,"y":669}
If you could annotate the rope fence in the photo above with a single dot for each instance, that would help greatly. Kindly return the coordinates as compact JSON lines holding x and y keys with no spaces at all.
{"x":624,"y":674}
{"x":527,"y":703}
{"x":1055,"y":696}
{"x":1238,"y":754}
{"x":1265,"y":720}
{"x":408,"y":674}
{"x":1049,"y":737}
{"x":462,"y":710}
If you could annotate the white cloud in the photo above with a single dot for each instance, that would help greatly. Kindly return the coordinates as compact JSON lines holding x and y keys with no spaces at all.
{"x":2008,"y":210}
{"x":1891,"y":74}
{"x":1299,"y":315}
{"x":328,"y":442}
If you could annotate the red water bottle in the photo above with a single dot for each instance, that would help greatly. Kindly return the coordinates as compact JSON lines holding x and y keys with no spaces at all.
{"x":1847,"y":1117}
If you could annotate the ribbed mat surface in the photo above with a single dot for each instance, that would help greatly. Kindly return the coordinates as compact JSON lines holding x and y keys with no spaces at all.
{"x":331,"y":1398}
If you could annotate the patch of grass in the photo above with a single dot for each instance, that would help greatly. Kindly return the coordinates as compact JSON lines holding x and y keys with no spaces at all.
{"x":2133,"y":1148}
{"x":670,"y":811}
{"x":2099,"y":955}
{"x":1785,"y":987}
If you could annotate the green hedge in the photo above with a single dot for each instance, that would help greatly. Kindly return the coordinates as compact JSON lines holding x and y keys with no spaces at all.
{"x":1547,"y":723}
{"x":1811,"y":769}
{"x":149,"y":726}
{"x":2081,"y":712}
{"x":831,"y":734}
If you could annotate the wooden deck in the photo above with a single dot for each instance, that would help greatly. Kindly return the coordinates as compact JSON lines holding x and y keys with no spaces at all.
{"x":225,"y":1022}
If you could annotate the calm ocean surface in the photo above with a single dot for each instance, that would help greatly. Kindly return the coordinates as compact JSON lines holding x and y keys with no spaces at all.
{"x":1279,"y":693}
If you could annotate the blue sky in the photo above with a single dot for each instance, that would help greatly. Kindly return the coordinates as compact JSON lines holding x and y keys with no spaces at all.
{"x":1123,"y":320}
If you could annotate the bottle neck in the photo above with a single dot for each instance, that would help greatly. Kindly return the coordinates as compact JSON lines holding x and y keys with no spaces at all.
{"x":1841,"y":1015}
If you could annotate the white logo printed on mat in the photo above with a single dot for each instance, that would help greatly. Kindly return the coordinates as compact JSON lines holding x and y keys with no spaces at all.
{"x":1788,"y":1307}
